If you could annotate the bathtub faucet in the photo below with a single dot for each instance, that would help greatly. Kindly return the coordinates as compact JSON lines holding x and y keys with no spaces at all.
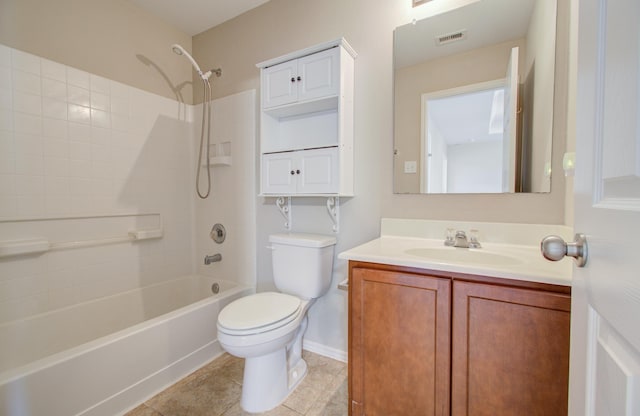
{"x":212,"y":259}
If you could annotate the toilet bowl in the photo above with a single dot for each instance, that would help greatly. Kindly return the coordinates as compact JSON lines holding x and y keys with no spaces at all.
{"x":266,"y":329}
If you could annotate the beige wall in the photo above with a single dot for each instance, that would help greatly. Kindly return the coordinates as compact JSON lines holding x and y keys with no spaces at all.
{"x":478,"y":65}
{"x":113,"y":39}
{"x":283,"y":26}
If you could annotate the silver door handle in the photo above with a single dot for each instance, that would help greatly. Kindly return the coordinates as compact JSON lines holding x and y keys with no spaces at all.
{"x":554,"y":248}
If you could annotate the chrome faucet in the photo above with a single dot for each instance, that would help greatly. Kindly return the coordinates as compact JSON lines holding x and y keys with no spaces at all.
{"x":460,"y":240}
{"x":212,"y":259}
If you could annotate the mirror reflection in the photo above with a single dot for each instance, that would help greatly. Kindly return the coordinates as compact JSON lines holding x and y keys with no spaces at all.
{"x":474,"y":99}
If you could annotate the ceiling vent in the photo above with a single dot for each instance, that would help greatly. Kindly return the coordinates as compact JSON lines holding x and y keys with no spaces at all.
{"x":451,"y":37}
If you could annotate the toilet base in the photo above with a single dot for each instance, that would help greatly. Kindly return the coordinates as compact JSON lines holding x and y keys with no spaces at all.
{"x":266,"y":382}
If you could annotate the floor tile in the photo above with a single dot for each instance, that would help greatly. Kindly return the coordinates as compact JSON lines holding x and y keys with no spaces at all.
{"x":215,"y":390}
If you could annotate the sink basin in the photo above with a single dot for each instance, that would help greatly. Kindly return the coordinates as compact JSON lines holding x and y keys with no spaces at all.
{"x":463,"y":255}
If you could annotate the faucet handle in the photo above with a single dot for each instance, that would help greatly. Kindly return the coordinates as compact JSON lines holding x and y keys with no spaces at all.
{"x":473,"y":239}
{"x":461,"y":234}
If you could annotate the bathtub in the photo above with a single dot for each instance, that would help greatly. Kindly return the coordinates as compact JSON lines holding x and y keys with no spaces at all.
{"x":105,"y":356}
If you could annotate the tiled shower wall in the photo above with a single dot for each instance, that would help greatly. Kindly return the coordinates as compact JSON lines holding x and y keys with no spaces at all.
{"x":73,"y":144}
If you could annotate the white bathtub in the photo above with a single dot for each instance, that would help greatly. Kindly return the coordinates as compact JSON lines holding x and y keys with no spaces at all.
{"x":105,"y":356}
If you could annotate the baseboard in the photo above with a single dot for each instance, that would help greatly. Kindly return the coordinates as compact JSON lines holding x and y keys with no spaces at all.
{"x":325,"y":351}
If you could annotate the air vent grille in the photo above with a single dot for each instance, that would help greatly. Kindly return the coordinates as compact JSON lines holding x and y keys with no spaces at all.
{"x":451,"y":37}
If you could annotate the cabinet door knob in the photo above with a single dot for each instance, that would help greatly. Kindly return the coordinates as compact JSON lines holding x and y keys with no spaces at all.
{"x":299,"y":78}
{"x":298,"y":171}
{"x":293,"y":79}
{"x":293,"y":173}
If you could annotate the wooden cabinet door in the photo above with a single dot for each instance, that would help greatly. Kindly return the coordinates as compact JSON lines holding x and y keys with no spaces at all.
{"x":279,"y":85}
{"x":399,"y":355}
{"x":510,"y":351}
{"x":319,"y":75}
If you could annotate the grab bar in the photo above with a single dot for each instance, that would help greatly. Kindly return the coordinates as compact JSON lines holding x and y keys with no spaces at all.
{"x":42,"y":245}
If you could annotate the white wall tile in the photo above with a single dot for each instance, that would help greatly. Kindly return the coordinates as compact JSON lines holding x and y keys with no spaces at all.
{"x":78,"y":96}
{"x":100,"y":84}
{"x":53,"y":70}
{"x":6,"y":119}
{"x":79,"y":132}
{"x":100,"y":101}
{"x":5,"y":56}
{"x":55,"y":166}
{"x":26,"y":82}
{"x":27,"y":103}
{"x":7,"y":163}
{"x":25,"y":62}
{"x":79,"y":168}
{"x":70,"y":145}
{"x":6,"y":98}
{"x":100,"y":118}
{"x":27,"y":144}
{"x":78,"y":78}
{"x":100,"y":135}
{"x":27,"y":124}
{"x":7,"y":142}
{"x":7,"y":187}
{"x":55,"y":89}
{"x":56,"y":147}
{"x":79,"y":114}
{"x":54,"y":109}
{"x":29,"y":185}
{"x":30,"y":205}
{"x":29,"y":165}
{"x":6,"y":78}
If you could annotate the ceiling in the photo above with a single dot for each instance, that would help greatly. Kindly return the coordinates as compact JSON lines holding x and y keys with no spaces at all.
{"x":196,"y":16}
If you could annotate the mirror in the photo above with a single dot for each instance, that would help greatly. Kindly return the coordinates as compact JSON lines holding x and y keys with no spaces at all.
{"x":473,"y":99}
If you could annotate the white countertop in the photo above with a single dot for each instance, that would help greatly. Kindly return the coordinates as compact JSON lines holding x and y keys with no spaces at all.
{"x":521,"y":262}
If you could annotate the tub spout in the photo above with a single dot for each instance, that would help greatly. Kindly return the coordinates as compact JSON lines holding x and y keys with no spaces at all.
{"x":212,"y":259}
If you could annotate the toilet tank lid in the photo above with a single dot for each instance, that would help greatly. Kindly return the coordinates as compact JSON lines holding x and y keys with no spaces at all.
{"x":303,"y":239}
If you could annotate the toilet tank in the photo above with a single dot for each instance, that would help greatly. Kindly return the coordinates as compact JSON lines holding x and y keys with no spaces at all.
{"x":302,"y":263}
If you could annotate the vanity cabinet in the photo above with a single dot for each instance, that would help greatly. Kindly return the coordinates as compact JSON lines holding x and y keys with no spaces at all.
{"x":438,"y":343}
{"x":306,"y":122}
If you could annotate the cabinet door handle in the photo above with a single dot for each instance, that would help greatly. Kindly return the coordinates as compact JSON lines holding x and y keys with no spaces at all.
{"x":293,"y":172}
{"x":293,"y":79}
{"x":299,"y":78}
{"x":298,"y":171}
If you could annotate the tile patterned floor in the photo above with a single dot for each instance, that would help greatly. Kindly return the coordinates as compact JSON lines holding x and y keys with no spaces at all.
{"x":214,"y":390}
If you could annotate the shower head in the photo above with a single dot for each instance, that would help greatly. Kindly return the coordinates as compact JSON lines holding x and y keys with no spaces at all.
{"x":179,"y":50}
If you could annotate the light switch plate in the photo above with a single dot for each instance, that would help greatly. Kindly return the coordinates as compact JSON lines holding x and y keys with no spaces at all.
{"x":410,"y":166}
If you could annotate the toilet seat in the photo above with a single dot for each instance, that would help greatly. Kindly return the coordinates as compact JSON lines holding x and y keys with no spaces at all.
{"x":258,"y":313}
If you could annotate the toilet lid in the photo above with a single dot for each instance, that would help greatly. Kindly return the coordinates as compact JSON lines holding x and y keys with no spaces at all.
{"x":259,"y":312}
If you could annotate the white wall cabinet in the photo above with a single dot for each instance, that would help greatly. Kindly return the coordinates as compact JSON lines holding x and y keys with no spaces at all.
{"x":308,"y":78}
{"x":303,"y":172}
{"x":307,"y":122}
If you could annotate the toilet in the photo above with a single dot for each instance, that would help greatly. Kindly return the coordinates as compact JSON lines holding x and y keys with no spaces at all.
{"x":266,"y":329}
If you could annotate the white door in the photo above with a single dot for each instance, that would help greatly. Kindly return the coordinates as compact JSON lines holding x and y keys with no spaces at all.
{"x":510,"y":124}
{"x":319,"y":75}
{"x":605,"y":337}
{"x":279,"y":84}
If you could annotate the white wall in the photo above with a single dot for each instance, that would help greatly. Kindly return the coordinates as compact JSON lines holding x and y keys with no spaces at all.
{"x":232,"y":201}
{"x":76,"y":145}
{"x":475,"y":167}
